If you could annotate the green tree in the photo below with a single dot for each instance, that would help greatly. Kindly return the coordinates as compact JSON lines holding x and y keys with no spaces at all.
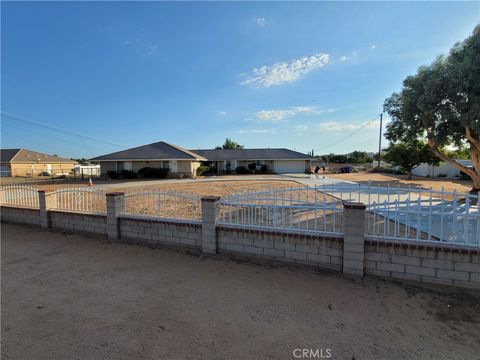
{"x":441,"y":104}
{"x":408,"y":155}
{"x":230,"y":144}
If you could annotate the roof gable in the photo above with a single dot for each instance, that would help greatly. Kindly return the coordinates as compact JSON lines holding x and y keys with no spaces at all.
{"x":6,"y":155}
{"x":29,"y":156}
{"x":155,"y":151}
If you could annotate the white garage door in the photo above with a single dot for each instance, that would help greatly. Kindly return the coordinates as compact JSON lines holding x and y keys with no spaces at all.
{"x":289,"y":166}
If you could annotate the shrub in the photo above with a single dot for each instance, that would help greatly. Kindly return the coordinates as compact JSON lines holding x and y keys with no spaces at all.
{"x":252,"y":166}
{"x":442,"y":175}
{"x":153,"y":173}
{"x":241,"y":170}
{"x":112,"y":174}
{"x":263,"y":168}
{"x":129,"y":174}
{"x":202,"y":170}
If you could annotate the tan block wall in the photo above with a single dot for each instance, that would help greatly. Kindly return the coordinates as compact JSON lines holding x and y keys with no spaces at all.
{"x":20,"y":215}
{"x":37,"y":169}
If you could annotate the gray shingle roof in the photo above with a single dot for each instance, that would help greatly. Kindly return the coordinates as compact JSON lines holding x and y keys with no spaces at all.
{"x":28,"y":156}
{"x":252,"y":154}
{"x":156,"y":151}
{"x":7,"y":154}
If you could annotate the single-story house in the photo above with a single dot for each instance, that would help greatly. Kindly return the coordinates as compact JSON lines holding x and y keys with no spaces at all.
{"x":156,"y":155}
{"x":185,"y":162}
{"x":275,"y":160}
{"x":23,"y":162}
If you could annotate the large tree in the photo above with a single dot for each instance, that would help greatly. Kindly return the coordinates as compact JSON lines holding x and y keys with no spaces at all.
{"x":408,"y":155}
{"x":441,"y":103}
{"x":230,"y":144}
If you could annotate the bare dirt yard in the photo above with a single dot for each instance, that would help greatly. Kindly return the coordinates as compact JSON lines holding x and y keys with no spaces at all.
{"x":66,"y":296}
{"x":403,"y":181}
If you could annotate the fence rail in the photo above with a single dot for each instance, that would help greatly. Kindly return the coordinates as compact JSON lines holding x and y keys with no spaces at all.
{"x":168,"y":205}
{"x":19,"y":195}
{"x":78,"y":199}
{"x":302,"y":209}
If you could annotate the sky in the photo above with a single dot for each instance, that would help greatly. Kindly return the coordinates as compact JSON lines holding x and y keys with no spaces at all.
{"x":81,"y":79}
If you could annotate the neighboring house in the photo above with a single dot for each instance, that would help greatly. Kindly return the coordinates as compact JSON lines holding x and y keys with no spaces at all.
{"x":276,"y":160}
{"x":23,"y":162}
{"x":442,"y":170}
{"x":156,"y":155}
{"x":185,"y":162}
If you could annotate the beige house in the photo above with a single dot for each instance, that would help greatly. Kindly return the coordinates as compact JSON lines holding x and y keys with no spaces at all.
{"x":23,"y":162}
{"x":184,"y":162}
{"x":177,"y":160}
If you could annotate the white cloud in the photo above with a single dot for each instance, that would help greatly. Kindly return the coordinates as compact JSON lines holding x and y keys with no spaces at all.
{"x":373,"y":46}
{"x":337,"y":126}
{"x":344,"y":58}
{"x":127,"y":42}
{"x":152,"y":49}
{"x":284,"y":72}
{"x":257,"y":131}
{"x":281,"y":114}
{"x":300,"y":128}
{"x":261,"y":22}
{"x":223,"y":113}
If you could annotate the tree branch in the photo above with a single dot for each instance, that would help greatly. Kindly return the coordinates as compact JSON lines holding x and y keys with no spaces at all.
{"x":471,"y":139}
{"x":433,"y":145}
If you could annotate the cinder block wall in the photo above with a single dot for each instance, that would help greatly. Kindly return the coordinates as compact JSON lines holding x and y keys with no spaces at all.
{"x":82,"y":222}
{"x":160,"y":232}
{"x":458,"y":266}
{"x":20,"y":215}
{"x":326,"y":252}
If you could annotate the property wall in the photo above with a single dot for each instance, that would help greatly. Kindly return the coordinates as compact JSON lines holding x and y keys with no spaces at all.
{"x":443,"y":169}
{"x":29,"y":169}
{"x":285,"y":246}
{"x":20,"y":215}
{"x":426,"y":263}
{"x":154,"y":231}
{"x":76,"y":221}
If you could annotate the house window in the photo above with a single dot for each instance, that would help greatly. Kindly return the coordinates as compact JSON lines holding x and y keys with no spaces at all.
{"x":127,"y":165}
{"x":166,"y":164}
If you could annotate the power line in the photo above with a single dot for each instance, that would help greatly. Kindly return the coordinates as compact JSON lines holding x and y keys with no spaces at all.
{"x":348,"y":135}
{"x":13,"y":117}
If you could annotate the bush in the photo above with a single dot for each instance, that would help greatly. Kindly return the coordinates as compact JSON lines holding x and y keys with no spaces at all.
{"x":386,"y":170}
{"x":129,"y":174}
{"x":153,"y":173}
{"x":241,"y":170}
{"x":202,"y":170}
{"x":263,"y":168}
{"x":442,"y":175}
{"x":252,"y":166}
{"x":112,"y":174}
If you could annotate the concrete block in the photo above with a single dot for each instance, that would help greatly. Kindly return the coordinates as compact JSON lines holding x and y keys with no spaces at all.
{"x":461,"y":266}
{"x":453,"y":275}
{"x":399,"y":268}
{"x":405,"y":276}
{"x":475,"y":277}
{"x":318,"y":258}
{"x":295,"y":255}
{"x":253,"y":250}
{"x":407,"y":260}
{"x":438,"y":264}
{"x":234,"y":247}
{"x":377,"y":257}
{"x":274,"y":252}
{"x":419,"y":270}
{"x":370,"y":264}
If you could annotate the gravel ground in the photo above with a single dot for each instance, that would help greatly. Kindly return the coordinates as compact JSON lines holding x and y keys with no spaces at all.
{"x":66,"y":296}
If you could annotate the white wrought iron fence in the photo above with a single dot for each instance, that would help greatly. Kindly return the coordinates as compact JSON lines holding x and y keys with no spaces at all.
{"x":300,"y":209}
{"x":19,"y":195}
{"x":166,"y":205}
{"x":88,"y":199}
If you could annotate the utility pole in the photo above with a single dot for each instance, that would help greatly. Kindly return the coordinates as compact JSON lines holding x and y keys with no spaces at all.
{"x":380,"y":141}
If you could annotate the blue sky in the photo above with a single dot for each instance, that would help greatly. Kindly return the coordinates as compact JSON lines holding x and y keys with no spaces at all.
{"x":298,"y":75}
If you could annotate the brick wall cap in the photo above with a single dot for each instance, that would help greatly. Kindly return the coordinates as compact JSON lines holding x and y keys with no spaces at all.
{"x":211,"y":198}
{"x":354,"y":205}
{"x":117,"y":193}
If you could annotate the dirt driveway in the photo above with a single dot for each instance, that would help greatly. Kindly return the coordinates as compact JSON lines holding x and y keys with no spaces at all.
{"x":66,"y":296}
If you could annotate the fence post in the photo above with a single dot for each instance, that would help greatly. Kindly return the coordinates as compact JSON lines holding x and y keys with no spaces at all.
{"x":209,"y":224}
{"x":115,"y":206}
{"x":353,"y":238}
{"x":43,"y":206}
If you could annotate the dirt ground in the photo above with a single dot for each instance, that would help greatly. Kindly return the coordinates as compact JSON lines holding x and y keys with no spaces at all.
{"x":401,"y":180}
{"x":66,"y":296}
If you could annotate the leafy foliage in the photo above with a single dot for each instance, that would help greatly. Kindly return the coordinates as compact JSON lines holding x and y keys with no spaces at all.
{"x":153,"y":173}
{"x":441,"y":103}
{"x":407,"y":155}
{"x":230,"y":144}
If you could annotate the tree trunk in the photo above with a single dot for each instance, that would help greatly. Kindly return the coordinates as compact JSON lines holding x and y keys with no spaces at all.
{"x":410,"y":175}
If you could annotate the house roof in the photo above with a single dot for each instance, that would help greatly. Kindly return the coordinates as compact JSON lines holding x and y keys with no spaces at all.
{"x":252,"y":154}
{"x":156,"y":151}
{"x":29,"y":156}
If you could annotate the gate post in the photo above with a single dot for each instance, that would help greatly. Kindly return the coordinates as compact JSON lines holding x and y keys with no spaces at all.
{"x":353,"y":238}
{"x":115,"y":206}
{"x":209,"y":224}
